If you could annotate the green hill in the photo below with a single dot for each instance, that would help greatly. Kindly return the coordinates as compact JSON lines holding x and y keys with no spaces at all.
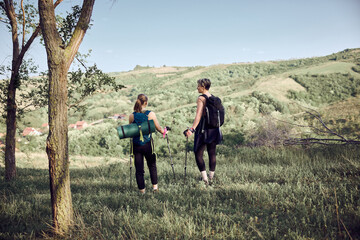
{"x":252,"y":93}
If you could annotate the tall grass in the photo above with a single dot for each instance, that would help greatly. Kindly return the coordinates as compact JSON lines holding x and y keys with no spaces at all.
{"x":261,"y":193}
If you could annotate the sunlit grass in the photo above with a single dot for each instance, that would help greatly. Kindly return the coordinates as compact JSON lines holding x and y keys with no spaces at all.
{"x":258,"y":193}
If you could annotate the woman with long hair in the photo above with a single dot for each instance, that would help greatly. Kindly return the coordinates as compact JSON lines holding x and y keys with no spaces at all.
{"x":143,"y":146}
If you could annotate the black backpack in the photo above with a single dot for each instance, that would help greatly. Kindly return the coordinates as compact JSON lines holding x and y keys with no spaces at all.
{"x":215,"y":112}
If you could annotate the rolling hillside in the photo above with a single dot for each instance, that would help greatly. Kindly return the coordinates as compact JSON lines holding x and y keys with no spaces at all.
{"x":252,"y":93}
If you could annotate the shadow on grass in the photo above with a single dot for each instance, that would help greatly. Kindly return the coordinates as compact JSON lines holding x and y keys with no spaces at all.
{"x":276,"y":204}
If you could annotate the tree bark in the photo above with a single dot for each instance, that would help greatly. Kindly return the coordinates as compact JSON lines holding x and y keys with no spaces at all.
{"x":57,"y":148}
{"x":59,"y":60}
{"x":10,"y":164}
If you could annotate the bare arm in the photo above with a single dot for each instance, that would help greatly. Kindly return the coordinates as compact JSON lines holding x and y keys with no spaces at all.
{"x":199,"y":112}
{"x":152,"y":116}
{"x":131,"y":118}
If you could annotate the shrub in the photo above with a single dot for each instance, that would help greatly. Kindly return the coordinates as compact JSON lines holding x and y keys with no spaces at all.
{"x":269,"y":133}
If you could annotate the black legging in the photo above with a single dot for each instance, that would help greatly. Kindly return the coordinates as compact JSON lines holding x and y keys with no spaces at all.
{"x":139,"y":153}
{"x":211,"y":149}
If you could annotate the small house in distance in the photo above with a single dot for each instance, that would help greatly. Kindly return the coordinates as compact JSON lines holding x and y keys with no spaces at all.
{"x":29,"y":131}
{"x":81,"y":124}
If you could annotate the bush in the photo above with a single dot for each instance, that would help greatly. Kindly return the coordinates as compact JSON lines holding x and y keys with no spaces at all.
{"x":269,"y":133}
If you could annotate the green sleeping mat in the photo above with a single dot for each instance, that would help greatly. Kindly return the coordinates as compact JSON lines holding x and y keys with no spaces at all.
{"x":133,"y":130}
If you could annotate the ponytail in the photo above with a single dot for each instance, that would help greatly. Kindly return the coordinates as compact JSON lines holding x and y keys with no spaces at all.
{"x":140,"y":101}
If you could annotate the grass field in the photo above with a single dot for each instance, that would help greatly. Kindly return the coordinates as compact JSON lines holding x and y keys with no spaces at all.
{"x":310,"y":192}
{"x":259,"y":193}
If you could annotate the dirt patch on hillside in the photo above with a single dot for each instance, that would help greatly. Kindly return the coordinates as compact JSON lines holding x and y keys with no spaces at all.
{"x":279,"y":87}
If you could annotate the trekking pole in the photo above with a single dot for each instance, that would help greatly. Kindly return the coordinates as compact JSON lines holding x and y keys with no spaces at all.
{"x":186,"y":150}
{"x":168,"y":144}
{"x":130,"y":163}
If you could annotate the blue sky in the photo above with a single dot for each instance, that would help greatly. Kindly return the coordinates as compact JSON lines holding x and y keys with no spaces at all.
{"x":207,"y":32}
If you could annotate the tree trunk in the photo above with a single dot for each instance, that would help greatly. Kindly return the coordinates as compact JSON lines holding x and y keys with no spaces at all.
{"x":60,"y":58}
{"x":10,"y":163}
{"x":57,"y":141}
{"x":57,"y":148}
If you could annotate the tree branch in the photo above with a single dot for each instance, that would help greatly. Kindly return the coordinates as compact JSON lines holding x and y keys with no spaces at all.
{"x":324,"y":141}
{"x":10,"y":13}
{"x":81,"y":62}
{"x":33,"y":36}
{"x":80,"y":30}
{"x":51,"y":36}
{"x":57,"y":3}
{"x":23,"y":11}
{"x":318,"y":117}
{"x":299,"y":125}
{"x":304,"y":141}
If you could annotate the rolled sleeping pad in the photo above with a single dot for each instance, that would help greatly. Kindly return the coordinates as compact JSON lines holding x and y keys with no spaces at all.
{"x":133,"y":130}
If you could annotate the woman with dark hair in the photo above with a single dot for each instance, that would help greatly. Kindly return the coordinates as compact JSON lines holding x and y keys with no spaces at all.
{"x":204,"y":137}
{"x":143,"y":146}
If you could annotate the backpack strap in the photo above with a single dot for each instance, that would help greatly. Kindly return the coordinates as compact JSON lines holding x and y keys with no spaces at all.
{"x":122,"y":129}
{"x":202,"y":129}
{"x":204,"y":95}
{"x":147,"y":112}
